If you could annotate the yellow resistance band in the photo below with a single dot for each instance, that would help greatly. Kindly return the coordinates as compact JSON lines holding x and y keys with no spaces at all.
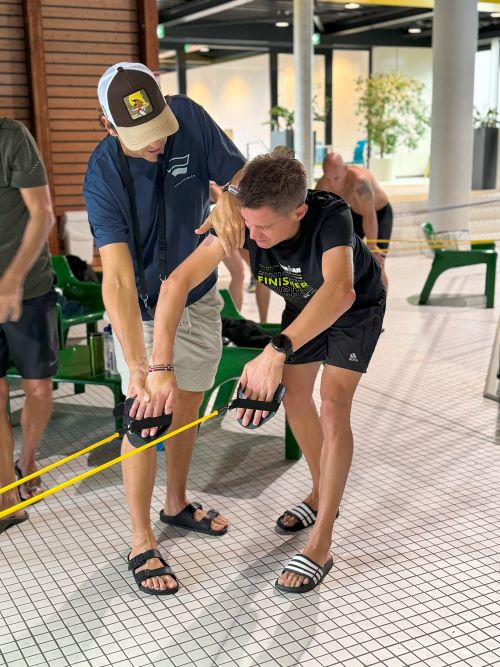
{"x":398,"y":248}
{"x":89,"y":473}
{"x":432,"y":242}
{"x":58,"y":463}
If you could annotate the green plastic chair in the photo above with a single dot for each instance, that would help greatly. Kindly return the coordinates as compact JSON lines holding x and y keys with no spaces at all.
{"x":230,"y":369}
{"x":74,"y":368}
{"x":444,"y":259}
{"x":88,"y":294}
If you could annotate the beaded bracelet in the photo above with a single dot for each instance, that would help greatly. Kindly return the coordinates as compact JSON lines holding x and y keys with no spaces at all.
{"x":160,"y":367}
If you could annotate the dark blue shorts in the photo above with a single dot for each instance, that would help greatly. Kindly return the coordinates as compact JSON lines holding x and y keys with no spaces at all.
{"x":32,"y":343}
{"x":348,"y":343}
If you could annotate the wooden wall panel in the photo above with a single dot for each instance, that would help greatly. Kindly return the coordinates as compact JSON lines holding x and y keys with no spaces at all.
{"x":14,"y":90}
{"x":51,"y":58}
{"x":80,"y":42}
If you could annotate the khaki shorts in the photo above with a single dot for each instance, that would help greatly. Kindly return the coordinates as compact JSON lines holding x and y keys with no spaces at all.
{"x":197,"y":346}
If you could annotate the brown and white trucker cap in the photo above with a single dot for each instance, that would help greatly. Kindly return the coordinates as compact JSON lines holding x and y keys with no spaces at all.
{"x":132,"y":100}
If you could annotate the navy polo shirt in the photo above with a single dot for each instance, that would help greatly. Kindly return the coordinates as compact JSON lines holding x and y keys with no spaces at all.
{"x":197,"y":153}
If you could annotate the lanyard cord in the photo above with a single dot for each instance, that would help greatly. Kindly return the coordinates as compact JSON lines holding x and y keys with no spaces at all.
{"x":161,"y":219}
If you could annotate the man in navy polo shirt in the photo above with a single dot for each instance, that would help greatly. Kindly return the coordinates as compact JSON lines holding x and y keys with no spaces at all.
{"x":146,"y":191}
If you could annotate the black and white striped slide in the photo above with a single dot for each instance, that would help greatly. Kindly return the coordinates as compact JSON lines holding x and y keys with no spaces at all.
{"x":304,"y":514}
{"x":305,"y":567}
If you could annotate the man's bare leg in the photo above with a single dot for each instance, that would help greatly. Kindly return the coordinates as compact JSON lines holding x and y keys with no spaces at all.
{"x":337,"y":390}
{"x":304,"y":421}
{"x":236,"y":270}
{"x":35,"y":416}
{"x":139,"y":477}
{"x":263,"y":297}
{"x":139,"y":474}
{"x":7,"y":475}
{"x":179,"y":451}
{"x":262,"y":293}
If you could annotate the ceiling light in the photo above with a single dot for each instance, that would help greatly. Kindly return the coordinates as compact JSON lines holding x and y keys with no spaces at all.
{"x":414,"y":31}
{"x":282,"y":24}
{"x":352,"y":5}
{"x":495,"y":15}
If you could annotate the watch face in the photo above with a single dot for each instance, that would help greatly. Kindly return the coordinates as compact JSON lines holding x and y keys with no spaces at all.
{"x":281,"y":341}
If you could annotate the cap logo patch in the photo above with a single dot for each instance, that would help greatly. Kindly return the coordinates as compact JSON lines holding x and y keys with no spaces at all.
{"x":138,"y":104}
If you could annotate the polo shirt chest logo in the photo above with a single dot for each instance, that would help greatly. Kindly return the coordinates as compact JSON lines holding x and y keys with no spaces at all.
{"x":178,"y":165}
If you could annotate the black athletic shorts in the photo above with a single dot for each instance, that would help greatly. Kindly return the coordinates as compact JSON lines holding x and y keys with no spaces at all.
{"x":32,"y":343}
{"x":384,"y":217}
{"x":349,"y":343}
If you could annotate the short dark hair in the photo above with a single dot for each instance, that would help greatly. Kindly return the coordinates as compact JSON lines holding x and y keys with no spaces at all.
{"x":276,"y":180}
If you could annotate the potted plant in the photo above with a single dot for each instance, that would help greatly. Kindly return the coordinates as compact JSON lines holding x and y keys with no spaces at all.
{"x":394,"y":116}
{"x":281,"y":121}
{"x":484,"y":159}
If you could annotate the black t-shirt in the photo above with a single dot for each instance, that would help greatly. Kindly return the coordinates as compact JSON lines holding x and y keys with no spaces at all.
{"x":293,"y":268}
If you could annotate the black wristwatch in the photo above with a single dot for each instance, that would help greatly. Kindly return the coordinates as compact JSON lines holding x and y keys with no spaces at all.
{"x":281,"y":343}
{"x":233,"y":189}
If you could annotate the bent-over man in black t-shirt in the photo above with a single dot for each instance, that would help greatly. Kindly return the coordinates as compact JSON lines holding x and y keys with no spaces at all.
{"x":302,"y":246}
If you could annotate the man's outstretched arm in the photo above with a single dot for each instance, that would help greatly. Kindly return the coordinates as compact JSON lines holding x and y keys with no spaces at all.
{"x":173,"y":294}
{"x":119,"y":294}
{"x":365,"y":206}
{"x":226,"y":219}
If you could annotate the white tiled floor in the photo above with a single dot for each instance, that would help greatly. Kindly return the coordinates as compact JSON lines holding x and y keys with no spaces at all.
{"x":416,"y":568}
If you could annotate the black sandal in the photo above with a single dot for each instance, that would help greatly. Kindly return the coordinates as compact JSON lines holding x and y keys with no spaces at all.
{"x":10,"y":521}
{"x":139,"y":577}
{"x":28,"y":489}
{"x":185,"y":519}
{"x":305,"y":516}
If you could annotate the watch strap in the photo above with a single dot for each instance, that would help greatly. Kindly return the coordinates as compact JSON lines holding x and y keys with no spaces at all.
{"x":287,"y":349}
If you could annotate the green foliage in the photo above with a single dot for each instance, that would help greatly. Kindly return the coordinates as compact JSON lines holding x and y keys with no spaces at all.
{"x":393,"y":111}
{"x":490,"y":118}
{"x":281,"y":118}
{"x":320,"y":116}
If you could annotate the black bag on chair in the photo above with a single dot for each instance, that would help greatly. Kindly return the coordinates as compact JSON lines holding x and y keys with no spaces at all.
{"x":81,"y":270}
{"x":244,"y":333}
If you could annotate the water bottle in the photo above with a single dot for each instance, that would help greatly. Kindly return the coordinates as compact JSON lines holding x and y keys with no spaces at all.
{"x":109,"y":352}
{"x":96,"y":353}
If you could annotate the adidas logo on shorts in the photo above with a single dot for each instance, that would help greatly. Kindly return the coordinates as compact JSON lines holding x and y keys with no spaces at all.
{"x":353,"y":357}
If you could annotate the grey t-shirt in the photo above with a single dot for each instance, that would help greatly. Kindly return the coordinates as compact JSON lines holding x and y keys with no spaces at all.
{"x":21,"y":166}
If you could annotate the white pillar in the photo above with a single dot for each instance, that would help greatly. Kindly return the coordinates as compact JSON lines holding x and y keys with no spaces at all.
{"x":494,"y":71}
{"x":303,"y":13}
{"x":494,"y":81}
{"x":454,"y":43}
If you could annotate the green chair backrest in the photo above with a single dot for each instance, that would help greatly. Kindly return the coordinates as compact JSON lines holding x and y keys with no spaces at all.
{"x":88,"y":293}
{"x":62,"y":270}
{"x":229,"y":309}
{"x":428,"y":230}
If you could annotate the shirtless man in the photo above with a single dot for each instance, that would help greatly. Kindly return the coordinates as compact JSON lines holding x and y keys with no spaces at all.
{"x":370,"y":207}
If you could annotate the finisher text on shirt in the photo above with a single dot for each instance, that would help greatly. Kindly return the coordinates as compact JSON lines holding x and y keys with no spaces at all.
{"x":277,"y":279}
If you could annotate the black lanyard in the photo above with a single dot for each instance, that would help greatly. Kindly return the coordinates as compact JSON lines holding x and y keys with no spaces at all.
{"x":161,"y":219}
